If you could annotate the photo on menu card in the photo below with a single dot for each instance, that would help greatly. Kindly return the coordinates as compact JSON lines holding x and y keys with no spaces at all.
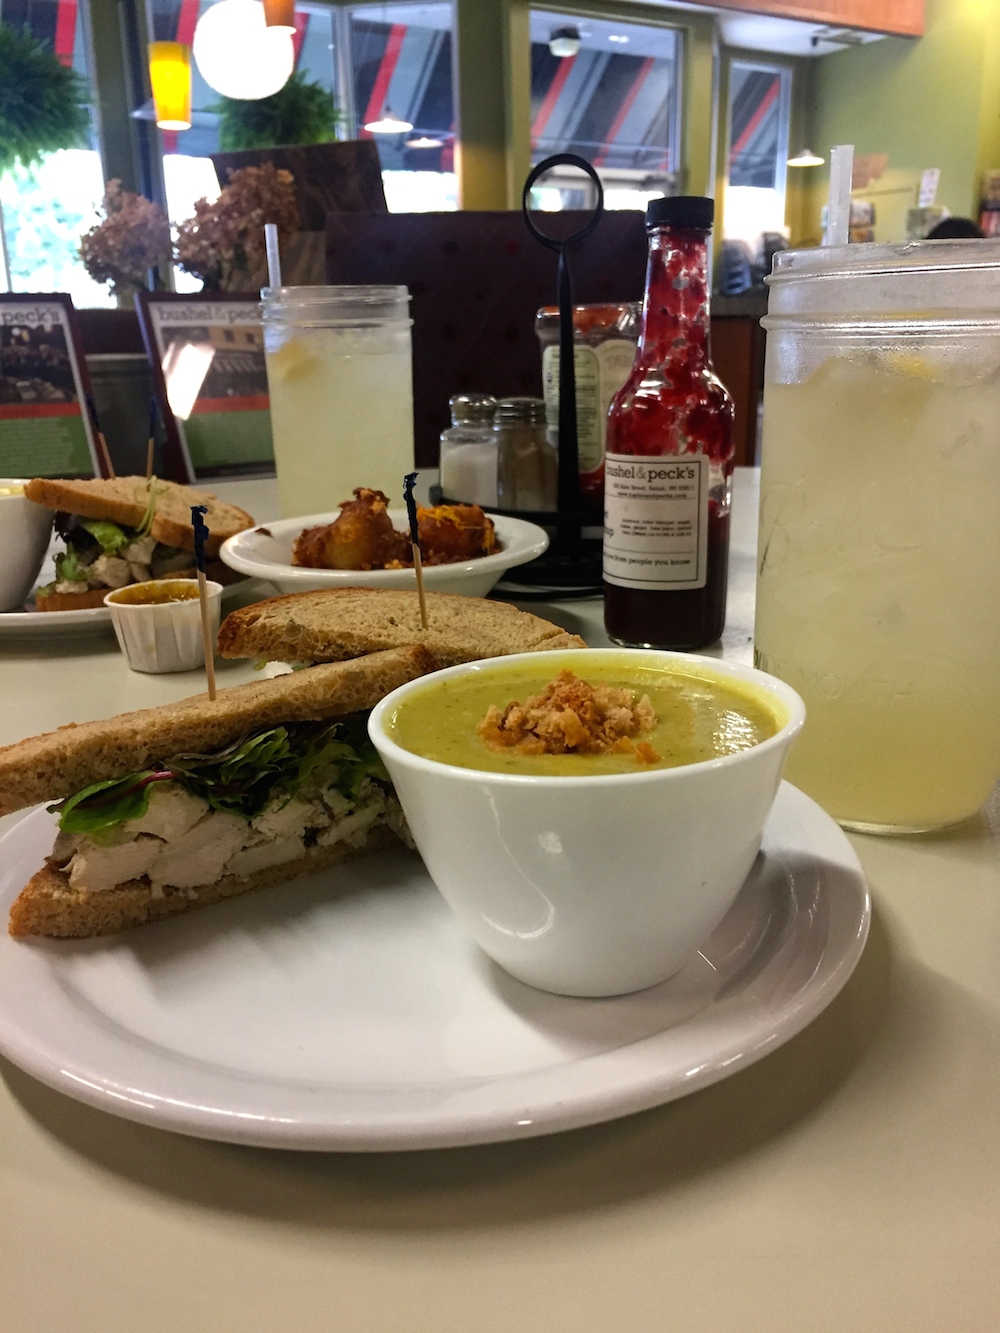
{"x":45,"y":426}
{"x":207,"y":353}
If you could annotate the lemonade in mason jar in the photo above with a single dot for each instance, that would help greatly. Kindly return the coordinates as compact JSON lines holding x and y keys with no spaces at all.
{"x":878,"y":594}
{"x":341,"y":387}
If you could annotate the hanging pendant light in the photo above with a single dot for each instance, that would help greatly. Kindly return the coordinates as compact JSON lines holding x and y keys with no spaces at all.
{"x":238,"y":55}
{"x":170,"y":79}
{"x":388,"y":123}
{"x":280,"y":14}
{"x":805,"y":158}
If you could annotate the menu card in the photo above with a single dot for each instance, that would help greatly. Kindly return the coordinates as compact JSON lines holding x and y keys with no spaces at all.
{"x":207,"y":354}
{"x":45,"y":424}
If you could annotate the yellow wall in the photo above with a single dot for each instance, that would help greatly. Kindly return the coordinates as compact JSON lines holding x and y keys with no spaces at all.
{"x":932,"y":102}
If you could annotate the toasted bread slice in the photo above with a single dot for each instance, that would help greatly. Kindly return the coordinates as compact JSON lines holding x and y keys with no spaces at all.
{"x":123,"y":500}
{"x":71,"y":601}
{"x":63,"y":762}
{"x":48,"y":906}
{"x":337,"y":624}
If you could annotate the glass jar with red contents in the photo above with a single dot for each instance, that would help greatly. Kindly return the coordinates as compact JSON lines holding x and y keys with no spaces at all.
{"x":604,"y":340}
{"x":669,"y":458}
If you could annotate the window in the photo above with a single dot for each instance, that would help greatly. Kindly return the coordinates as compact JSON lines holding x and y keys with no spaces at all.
{"x":615,"y":102}
{"x":187,"y":166}
{"x":759,"y":109}
{"x":370,"y":57}
{"x":401,"y":62}
{"x":45,"y":211}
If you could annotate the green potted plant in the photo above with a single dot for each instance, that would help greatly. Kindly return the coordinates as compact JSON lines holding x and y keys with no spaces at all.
{"x":302,"y":112}
{"x":42,"y":102}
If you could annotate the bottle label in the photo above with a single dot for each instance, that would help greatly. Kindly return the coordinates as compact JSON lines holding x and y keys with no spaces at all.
{"x":656,"y":521}
{"x":600,"y":373}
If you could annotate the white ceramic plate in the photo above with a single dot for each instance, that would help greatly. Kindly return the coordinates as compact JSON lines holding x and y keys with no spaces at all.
{"x":289,"y":1019}
{"x":54,"y":624}
{"x":266,"y":553}
{"x":70,"y":624}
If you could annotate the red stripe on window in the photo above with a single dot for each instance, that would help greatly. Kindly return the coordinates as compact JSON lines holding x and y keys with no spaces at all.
{"x":299,"y":35}
{"x":552,"y":97}
{"x":65,"y":31}
{"x":642,"y":74}
{"x":187,"y":18}
{"x":387,"y":66}
{"x":766,"y":102}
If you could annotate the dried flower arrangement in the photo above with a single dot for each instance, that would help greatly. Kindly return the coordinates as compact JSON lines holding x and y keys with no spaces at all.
{"x":132,"y":237}
{"x":224,"y":242}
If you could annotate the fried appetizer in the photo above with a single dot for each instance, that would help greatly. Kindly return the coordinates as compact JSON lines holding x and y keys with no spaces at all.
{"x":361,"y":538}
{"x":449,"y":533}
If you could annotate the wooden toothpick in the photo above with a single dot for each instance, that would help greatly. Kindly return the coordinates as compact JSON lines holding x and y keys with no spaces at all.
{"x":102,"y":443}
{"x":200,"y":534}
{"x":151,"y":446}
{"x":411,"y":512}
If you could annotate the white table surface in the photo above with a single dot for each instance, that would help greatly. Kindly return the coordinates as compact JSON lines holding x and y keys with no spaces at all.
{"x":846,"y":1184}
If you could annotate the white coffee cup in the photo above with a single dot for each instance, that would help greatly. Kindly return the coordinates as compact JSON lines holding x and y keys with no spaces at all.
{"x":25,"y":529}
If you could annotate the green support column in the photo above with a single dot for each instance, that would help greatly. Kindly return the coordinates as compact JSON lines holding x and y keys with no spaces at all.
{"x":700,"y":117}
{"x":126,"y":144}
{"x":518,"y":65}
{"x":485,"y":67}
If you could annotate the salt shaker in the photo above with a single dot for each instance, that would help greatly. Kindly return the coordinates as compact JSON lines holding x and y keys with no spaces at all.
{"x":469,"y":451}
{"x":527,"y":463}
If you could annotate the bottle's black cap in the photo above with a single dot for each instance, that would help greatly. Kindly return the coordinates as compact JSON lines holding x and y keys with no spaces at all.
{"x":681,"y":210}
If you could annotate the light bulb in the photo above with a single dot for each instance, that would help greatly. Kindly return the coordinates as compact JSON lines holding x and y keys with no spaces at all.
{"x":388,"y":123}
{"x":238,"y":55}
{"x":805,"y":158}
{"x":170,"y":79}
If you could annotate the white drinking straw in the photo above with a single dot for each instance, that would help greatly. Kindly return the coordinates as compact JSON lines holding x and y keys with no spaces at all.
{"x":273,"y":257}
{"x":838,"y":210}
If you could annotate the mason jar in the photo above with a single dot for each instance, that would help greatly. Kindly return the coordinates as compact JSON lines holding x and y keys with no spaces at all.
{"x":340,"y":379}
{"x":878,"y":592}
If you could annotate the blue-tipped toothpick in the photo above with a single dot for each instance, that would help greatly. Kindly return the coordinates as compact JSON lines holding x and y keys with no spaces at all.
{"x":200,"y":535}
{"x":409,"y":481}
{"x":151,"y":447}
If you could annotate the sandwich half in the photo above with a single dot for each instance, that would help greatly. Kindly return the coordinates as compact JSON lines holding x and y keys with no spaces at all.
{"x":177,"y":807}
{"x":335,"y":624}
{"x":122,"y":530}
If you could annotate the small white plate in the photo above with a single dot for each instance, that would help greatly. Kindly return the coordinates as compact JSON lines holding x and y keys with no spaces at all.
{"x":91,"y":620}
{"x":265,"y":552}
{"x":290,"y":1019}
{"x":54,"y":624}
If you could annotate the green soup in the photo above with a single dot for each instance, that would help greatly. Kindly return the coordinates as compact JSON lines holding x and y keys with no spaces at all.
{"x":699,"y":716}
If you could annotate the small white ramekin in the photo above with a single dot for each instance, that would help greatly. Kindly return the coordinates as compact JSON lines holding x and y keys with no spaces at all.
{"x":162,"y":637}
{"x":25,"y":528}
{"x":596,"y":885}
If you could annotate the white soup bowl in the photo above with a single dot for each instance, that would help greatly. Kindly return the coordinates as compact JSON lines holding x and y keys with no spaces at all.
{"x":597,"y":885}
{"x":25,"y":530}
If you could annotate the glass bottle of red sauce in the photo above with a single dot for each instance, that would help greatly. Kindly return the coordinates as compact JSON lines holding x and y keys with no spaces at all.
{"x":669,"y":453}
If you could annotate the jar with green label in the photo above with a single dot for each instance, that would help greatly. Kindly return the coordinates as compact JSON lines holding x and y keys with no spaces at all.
{"x":604,"y":338}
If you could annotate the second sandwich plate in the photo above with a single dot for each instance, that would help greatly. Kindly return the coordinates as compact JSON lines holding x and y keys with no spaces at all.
{"x":369,"y":1021}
